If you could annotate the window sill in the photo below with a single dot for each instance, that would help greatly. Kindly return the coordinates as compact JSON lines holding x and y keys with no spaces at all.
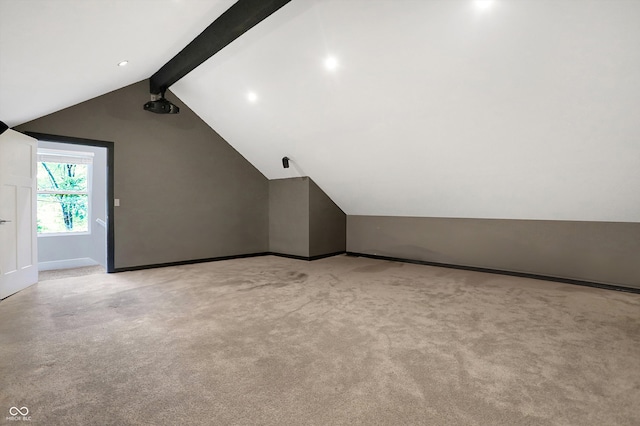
{"x":63,"y":234}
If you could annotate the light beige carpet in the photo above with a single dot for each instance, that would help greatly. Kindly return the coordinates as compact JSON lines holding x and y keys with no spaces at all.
{"x":338,"y":341}
{"x":57,"y":274}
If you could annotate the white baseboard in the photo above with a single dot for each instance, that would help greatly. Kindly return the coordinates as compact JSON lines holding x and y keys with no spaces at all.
{"x":66,"y":264}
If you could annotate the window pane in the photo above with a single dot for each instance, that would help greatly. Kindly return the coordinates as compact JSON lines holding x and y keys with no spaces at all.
{"x":62,"y":213}
{"x":67,"y":177}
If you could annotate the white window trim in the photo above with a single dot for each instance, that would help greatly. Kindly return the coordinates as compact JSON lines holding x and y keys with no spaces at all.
{"x":69,"y":157}
{"x":62,"y":156}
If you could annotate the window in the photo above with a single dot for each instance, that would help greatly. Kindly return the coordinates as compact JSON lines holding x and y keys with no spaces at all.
{"x":63,"y":191}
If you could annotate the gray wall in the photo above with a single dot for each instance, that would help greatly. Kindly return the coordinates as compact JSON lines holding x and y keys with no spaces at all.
{"x":603,"y":252}
{"x":303,"y":220}
{"x":327,"y":223}
{"x":289,"y":216}
{"x":93,"y":246}
{"x":185,"y":193}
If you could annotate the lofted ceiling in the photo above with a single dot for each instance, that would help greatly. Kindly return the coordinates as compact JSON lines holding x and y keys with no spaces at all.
{"x":57,"y":53}
{"x":521,"y":109}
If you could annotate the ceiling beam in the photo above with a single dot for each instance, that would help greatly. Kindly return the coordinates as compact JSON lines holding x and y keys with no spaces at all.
{"x":237,"y":20}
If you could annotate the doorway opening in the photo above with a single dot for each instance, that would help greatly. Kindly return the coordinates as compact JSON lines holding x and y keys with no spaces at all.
{"x":75,"y":204}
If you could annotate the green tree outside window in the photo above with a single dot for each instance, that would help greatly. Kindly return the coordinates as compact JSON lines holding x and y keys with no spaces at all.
{"x":62,"y":197}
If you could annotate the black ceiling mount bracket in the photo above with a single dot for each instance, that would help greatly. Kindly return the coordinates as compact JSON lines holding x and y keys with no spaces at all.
{"x":160,"y":105}
{"x":237,"y":20}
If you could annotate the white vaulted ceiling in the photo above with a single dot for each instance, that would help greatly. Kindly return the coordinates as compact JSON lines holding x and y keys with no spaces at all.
{"x":57,"y":53}
{"x":523,"y":109}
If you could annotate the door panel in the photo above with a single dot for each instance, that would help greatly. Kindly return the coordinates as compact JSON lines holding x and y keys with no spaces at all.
{"x":18,"y":232}
{"x":8,"y":257}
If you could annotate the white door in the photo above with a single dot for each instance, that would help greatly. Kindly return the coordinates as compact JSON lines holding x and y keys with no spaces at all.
{"x":18,"y":232}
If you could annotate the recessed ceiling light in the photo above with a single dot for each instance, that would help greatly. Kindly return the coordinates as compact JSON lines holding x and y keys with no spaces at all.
{"x":483,"y":4}
{"x":252,"y":97}
{"x":331,"y":63}
{"x":123,"y":63}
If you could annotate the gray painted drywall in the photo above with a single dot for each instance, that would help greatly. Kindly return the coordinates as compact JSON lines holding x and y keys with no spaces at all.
{"x":93,"y":246}
{"x":184,"y":192}
{"x":289,"y":216}
{"x":327,"y":223}
{"x":603,"y":252}
{"x":303,"y":220}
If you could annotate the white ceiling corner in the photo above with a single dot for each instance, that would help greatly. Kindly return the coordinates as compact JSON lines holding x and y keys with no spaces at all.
{"x":57,"y":53}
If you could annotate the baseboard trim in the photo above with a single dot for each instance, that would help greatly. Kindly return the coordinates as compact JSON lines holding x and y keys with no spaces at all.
{"x":216,"y":259}
{"x":307,"y":258}
{"x":188,"y":262}
{"x":324,"y":256}
{"x":66,"y":264}
{"x":288,"y":256}
{"x":500,"y":272}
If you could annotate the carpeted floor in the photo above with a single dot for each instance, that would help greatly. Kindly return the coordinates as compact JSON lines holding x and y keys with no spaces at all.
{"x":338,"y":341}
{"x":57,"y":274}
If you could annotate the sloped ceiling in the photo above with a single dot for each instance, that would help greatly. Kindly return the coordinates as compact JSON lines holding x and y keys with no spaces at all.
{"x":57,"y":53}
{"x":520,"y":109}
